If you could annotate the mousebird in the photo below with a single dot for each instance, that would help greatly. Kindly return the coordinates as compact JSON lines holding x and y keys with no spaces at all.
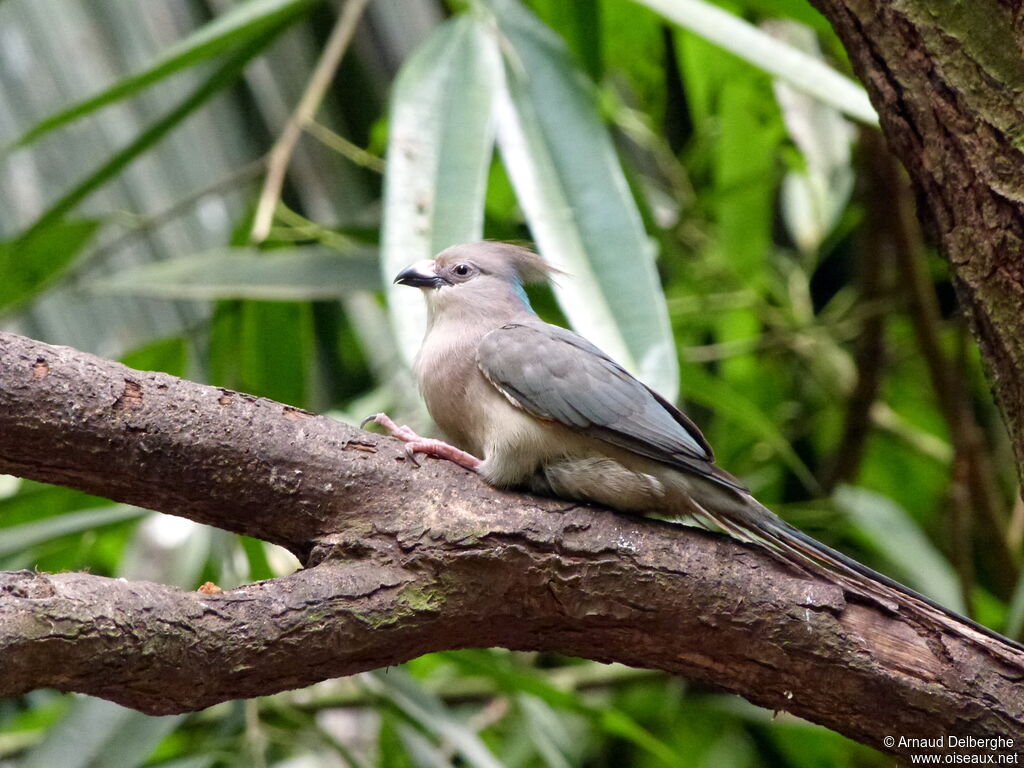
{"x":534,"y":406}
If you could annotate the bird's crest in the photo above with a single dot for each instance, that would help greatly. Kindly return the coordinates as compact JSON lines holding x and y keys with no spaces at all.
{"x":512,"y":262}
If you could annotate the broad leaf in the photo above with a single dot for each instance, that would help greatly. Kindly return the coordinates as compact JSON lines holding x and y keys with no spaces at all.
{"x":813,"y":198}
{"x":439,"y":150}
{"x":749,"y":43}
{"x":293,"y":274}
{"x":570,"y":184}
{"x":891,"y":531}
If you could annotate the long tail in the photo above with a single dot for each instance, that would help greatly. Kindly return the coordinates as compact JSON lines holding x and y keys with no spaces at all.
{"x":758,"y":523}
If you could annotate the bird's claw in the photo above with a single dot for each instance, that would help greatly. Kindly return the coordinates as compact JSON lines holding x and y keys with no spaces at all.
{"x":410,"y":454}
{"x":403,"y":433}
{"x":415,"y":444}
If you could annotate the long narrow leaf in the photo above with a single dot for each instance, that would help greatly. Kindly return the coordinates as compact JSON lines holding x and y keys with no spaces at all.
{"x":1015,"y":619}
{"x":294,"y":274}
{"x":518,"y":681}
{"x":430,"y":713}
{"x":746,"y":41}
{"x":98,"y":733}
{"x":222,"y":77}
{"x":420,"y":750}
{"x":732,"y":405}
{"x":238,"y":26}
{"x":546,"y":730}
{"x":890,"y":530}
{"x":29,"y":262}
{"x":19,"y":537}
{"x":813,"y":198}
{"x":563,"y":166}
{"x":439,"y":151}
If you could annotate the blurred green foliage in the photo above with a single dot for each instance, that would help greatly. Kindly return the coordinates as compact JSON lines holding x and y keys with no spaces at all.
{"x":705,"y":209}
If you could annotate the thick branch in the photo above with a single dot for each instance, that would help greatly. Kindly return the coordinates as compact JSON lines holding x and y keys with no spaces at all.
{"x":416,"y":560}
{"x":946,"y":79}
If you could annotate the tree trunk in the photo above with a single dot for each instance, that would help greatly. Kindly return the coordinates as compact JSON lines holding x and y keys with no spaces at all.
{"x":947,"y":79}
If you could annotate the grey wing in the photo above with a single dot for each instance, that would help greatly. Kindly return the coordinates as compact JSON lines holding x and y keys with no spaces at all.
{"x":558,"y":375}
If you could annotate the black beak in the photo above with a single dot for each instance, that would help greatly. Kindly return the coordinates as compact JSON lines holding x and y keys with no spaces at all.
{"x":420,"y":275}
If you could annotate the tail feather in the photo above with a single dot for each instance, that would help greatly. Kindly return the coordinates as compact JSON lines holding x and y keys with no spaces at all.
{"x":760,"y":524}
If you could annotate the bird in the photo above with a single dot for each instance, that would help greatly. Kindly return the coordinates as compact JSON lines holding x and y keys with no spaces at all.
{"x":533,"y":406}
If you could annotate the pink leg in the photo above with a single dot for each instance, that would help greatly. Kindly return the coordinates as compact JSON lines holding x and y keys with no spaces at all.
{"x":415,"y":444}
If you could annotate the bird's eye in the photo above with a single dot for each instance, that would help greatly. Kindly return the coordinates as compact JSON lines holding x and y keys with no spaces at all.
{"x":461,"y":270}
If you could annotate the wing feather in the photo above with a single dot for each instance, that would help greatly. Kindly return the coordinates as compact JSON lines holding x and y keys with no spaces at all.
{"x":557,"y":375}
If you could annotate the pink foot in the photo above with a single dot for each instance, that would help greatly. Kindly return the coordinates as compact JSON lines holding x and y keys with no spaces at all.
{"x":415,"y":444}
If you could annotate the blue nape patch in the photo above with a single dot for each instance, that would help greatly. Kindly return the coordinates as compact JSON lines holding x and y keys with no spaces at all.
{"x":521,"y":293}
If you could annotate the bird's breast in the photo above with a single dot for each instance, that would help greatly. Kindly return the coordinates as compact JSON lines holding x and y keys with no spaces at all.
{"x":453,"y":389}
{"x":477,"y":417}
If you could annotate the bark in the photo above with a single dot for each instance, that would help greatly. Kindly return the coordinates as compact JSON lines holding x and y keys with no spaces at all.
{"x":946,"y":78}
{"x":401,"y":561}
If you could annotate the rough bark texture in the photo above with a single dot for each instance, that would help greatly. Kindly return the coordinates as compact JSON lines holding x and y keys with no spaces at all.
{"x":402,"y":561}
{"x":947,"y":79}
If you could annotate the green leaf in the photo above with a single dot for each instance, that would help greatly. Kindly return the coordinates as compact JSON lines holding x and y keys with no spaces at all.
{"x":431,"y":714}
{"x":39,"y":528}
{"x":813,"y":197}
{"x":238,"y":26}
{"x":893,"y":533}
{"x":633,"y":46}
{"x":616,"y":722}
{"x":570,"y":184}
{"x":514,"y":680}
{"x":97,"y":733}
{"x":34,"y":501}
{"x":420,"y":751}
{"x":498,"y":667}
{"x":19,"y":537}
{"x":256,"y":555}
{"x":222,"y":77}
{"x":292,"y":274}
{"x":745,"y":158}
{"x":274,"y":350}
{"x":580,"y":24}
{"x":30,"y":262}
{"x":1015,"y":620}
{"x":225,"y":368}
{"x":731,"y":405}
{"x":546,"y":730}
{"x":749,"y":43}
{"x":439,"y":150}
{"x":745,"y":184}
{"x":169,"y":355}
{"x":199,"y":761}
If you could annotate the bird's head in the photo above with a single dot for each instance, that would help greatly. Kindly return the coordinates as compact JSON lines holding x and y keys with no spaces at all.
{"x":476,"y":278}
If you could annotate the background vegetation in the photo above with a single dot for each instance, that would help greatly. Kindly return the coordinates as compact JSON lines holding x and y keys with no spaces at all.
{"x":734,"y":231}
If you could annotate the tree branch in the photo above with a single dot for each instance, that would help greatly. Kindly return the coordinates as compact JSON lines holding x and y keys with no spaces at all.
{"x":402,"y":561}
{"x":316,"y":89}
